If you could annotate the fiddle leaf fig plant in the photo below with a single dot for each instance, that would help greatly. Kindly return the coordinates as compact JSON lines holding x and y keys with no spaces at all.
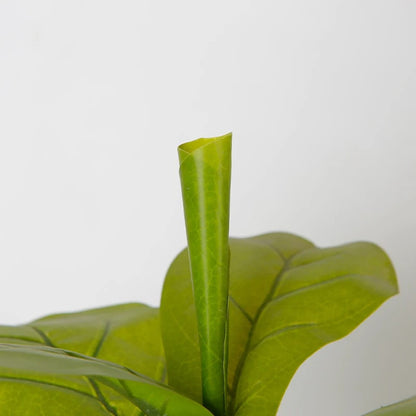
{"x":238,"y":316}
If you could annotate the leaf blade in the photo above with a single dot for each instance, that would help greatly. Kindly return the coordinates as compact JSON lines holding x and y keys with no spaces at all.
{"x":322,"y":295}
{"x":128,"y":334}
{"x":36,"y":364}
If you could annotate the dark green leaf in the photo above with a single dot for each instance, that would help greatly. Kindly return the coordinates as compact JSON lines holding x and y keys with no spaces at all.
{"x":287,"y":299}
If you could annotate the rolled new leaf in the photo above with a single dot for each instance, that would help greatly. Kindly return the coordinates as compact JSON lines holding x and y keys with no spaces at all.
{"x":205,"y":171}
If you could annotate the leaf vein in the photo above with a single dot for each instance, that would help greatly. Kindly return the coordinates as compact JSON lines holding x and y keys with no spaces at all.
{"x":46,"y":383}
{"x":241,"y":309}
{"x":102,"y":339}
{"x":43,"y":335}
{"x":281,"y":331}
{"x":256,"y":318}
{"x":101,"y":397}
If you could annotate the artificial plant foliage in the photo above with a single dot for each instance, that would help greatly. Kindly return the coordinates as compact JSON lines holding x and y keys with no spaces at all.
{"x":238,"y":317}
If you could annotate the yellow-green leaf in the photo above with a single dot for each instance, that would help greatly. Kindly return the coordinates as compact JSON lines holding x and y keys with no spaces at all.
{"x":205,"y":168}
{"x":60,"y":365}
{"x":287,"y":300}
{"x":37,"y":380}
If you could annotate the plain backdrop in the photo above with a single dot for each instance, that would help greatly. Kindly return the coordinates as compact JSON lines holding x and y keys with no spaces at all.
{"x":95,"y":96}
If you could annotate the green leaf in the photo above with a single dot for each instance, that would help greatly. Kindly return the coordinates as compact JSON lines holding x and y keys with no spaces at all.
{"x":37,"y":380}
{"x":42,"y":372}
{"x":404,"y":408}
{"x":126,"y":334}
{"x":205,"y":169}
{"x":287,"y":300}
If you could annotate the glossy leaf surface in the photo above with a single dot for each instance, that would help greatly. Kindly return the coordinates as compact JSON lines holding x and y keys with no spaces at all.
{"x":287,"y":299}
{"x":404,"y":408}
{"x":38,"y":380}
{"x":205,"y":169}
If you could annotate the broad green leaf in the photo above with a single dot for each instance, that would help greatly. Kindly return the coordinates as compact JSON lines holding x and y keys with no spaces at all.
{"x":404,"y":408}
{"x":205,"y":169}
{"x":287,"y":300}
{"x":37,"y":380}
{"x":126,"y":334}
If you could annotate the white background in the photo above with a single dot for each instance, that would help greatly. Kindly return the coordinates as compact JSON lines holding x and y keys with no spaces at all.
{"x":95,"y":96}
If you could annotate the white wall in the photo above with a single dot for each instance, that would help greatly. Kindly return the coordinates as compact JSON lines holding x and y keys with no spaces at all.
{"x":96,"y":95}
